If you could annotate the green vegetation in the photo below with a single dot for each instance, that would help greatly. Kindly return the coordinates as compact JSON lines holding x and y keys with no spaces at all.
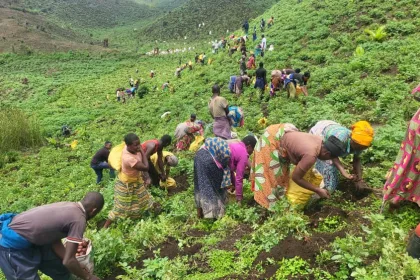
{"x":78,"y":89}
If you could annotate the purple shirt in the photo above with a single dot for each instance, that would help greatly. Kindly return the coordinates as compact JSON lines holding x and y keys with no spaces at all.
{"x":237,"y":164}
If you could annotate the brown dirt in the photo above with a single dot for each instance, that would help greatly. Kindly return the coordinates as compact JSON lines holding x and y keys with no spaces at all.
{"x":228,"y":243}
{"x":393,"y":70}
{"x":350,"y":193}
{"x":22,"y":32}
{"x":291,"y":247}
{"x":182,"y":184}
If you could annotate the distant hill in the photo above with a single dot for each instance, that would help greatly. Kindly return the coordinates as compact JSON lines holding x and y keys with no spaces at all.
{"x":94,"y":13}
{"x":217,"y":15}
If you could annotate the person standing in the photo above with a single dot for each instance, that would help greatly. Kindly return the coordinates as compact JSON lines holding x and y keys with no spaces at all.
{"x":254,"y":34}
{"x":403,"y":180}
{"x":245,"y":26}
{"x":131,"y":197}
{"x":219,"y":110}
{"x":31,"y":241}
{"x":261,"y":79}
{"x":99,"y":162}
{"x":263,"y":43}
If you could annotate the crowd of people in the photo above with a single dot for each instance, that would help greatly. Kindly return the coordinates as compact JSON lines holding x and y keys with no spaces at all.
{"x":31,"y":242}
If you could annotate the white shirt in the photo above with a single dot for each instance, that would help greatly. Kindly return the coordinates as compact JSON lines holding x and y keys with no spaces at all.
{"x":263,"y":43}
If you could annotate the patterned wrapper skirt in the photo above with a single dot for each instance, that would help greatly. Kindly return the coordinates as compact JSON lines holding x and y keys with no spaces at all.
{"x":130,"y":200}
{"x":208,"y":178}
{"x":270,"y":168}
{"x":404,"y":177}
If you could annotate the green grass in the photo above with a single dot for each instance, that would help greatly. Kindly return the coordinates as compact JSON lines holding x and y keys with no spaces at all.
{"x":72,"y":88}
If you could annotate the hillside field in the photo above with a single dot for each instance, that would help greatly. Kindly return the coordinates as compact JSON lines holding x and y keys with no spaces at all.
{"x":354,"y":76}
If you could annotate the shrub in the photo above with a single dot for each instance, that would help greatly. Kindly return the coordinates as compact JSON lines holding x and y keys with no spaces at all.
{"x":18,"y":131}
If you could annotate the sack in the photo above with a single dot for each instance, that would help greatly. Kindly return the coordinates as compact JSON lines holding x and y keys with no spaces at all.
{"x":115,"y":155}
{"x":197,"y":143}
{"x":170,"y":183}
{"x":300,"y":196}
{"x":86,"y":261}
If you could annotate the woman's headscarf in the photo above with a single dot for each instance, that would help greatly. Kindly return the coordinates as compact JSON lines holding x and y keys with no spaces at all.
{"x":335,"y":146}
{"x":362,"y":133}
{"x":219,"y":150}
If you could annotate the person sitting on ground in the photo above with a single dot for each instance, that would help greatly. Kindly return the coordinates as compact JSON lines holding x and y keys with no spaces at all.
{"x":218,"y":107}
{"x":99,"y":162}
{"x":356,"y":140}
{"x":214,"y":164}
{"x":239,"y":84}
{"x":185,"y":132}
{"x":131,"y":197}
{"x":251,"y":62}
{"x":151,"y":147}
{"x":280,"y":146}
{"x":294,"y":80}
{"x":261,"y":79}
{"x":169,"y":160}
{"x":31,"y":241}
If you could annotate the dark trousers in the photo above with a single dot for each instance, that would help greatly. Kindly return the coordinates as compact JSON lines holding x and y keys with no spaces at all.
{"x":24,"y":264}
{"x":99,"y":168}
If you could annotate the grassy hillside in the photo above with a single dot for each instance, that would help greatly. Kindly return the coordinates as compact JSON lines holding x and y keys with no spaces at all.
{"x":218,"y":16}
{"x":343,"y":237}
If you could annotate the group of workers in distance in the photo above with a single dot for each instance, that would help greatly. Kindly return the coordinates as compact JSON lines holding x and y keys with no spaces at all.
{"x":30,"y":243}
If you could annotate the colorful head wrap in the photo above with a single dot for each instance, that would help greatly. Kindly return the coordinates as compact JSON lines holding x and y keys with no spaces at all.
{"x":219,"y":150}
{"x":362,"y":133}
{"x":335,"y":146}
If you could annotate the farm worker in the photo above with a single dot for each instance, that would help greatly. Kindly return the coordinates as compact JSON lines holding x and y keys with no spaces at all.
{"x":277,"y":78}
{"x":236,"y":116}
{"x":403,"y":179}
{"x":232,"y":82}
{"x":295,"y":79}
{"x":254,"y":34}
{"x":131,"y":198}
{"x":151,"y":147}
{"x":200,"y":58}
{"x":178,"y":72}
{"x":257,"y":50}
{"x":190,"y":65}
{"x":242,"y":66}
{"x":261,"y":81}
{"x":152,"y":73}
{"x":263,"y":43}
{"x":356,"y":140}
{"x":169,"y":160}
{"x":278,"y":147}
{"x":213,"y":164}
{"x":251,"y":62}
{"x":270,"y":22}
{"x":262,"y":24}
{"x":31,"y":241}
{"x":165,"y":86}
{"x":218,"y":107}
{"x":239,"y":84}
{"x":245,"y":26}
{"x":99,"y":162}
{"x":185,"y":132}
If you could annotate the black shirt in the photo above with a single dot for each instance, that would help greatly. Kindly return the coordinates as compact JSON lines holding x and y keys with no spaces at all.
{"x":100,"y":156}
{"x":261,"y":73}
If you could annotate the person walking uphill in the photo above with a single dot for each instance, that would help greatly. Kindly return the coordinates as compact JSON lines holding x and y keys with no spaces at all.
{"x":100,"y":162}
{"x":219,"y":110}
{"x":278,"y":147}
{"x":245,"y":26}
{"x":356,"y":140}
{"x":31,"y":241}
{"x":131,"y":198}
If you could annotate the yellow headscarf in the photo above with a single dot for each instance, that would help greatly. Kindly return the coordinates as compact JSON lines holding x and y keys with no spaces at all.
{"x":362,"y":133}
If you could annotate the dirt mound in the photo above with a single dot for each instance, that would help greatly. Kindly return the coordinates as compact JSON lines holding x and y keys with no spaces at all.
{"x":228,"y":243}
{"x":181,"y":184}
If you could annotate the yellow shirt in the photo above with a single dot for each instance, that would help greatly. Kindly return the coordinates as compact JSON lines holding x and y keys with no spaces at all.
{"x":154,"y":159}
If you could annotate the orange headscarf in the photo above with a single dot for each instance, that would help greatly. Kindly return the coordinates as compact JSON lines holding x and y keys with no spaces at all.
{"x":362,"y":133}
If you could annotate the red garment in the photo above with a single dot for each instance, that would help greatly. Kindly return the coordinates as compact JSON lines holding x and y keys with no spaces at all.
{"x":251,"y":63}
{"x":418,"y":230}
{"x":144,"y":145}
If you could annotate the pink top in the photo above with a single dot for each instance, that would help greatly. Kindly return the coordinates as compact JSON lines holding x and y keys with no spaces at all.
{"x":128,"y":162}
{"x":238,"y":162}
